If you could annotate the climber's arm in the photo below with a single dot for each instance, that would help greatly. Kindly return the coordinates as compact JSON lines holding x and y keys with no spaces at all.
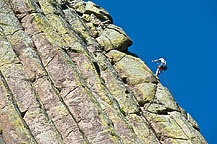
{"x":155,"y":60}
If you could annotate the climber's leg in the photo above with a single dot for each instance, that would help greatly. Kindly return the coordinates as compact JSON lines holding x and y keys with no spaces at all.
{"x":157,"y":72}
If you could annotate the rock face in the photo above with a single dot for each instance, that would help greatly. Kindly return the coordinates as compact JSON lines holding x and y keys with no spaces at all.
{"x":66,"y":77}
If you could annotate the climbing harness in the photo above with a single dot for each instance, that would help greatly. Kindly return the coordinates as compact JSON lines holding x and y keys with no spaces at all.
{"x":161,"y":72}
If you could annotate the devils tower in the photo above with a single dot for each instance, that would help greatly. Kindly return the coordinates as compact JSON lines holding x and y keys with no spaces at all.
{"x":66,"y":76}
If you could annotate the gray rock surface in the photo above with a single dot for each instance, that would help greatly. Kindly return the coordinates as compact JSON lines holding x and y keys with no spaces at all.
{"x":65,"y":78}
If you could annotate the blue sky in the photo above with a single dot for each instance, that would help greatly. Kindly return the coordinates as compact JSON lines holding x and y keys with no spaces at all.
{"x":185,"y":33}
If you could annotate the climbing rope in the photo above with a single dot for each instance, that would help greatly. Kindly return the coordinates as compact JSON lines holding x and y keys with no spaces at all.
{"x":168,"y":84}
{"x":142,"y":55}
{"x":161,"y":72}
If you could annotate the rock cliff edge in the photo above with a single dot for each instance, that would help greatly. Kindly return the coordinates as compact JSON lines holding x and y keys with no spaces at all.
{"x":66,"y":77}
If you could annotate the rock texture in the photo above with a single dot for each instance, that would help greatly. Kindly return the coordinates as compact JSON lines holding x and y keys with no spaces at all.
{"x":66,"y":77}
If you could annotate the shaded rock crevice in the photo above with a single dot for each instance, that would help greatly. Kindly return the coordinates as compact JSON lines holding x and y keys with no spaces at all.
{"x":54,"y":87}
{"x":12,"y":100}
{"x":74,"y":80}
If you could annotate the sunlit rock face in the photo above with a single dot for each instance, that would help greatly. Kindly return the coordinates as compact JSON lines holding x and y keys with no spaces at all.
{"x":66,"y":77}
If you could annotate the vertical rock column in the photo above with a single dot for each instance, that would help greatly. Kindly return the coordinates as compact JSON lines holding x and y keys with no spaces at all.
{"x":67,"y":77}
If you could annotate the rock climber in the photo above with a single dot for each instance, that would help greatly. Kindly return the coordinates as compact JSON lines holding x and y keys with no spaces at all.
{"x":162,"y":66}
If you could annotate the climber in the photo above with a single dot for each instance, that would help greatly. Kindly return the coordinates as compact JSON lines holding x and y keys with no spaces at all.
{"x":161,"y":67}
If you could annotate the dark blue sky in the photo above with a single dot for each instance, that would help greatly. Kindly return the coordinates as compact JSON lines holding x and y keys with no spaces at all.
{"x":185,"y":33}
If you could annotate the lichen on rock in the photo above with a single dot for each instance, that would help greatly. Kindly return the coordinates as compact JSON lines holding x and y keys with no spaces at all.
{"x":66,"y":77}
{"x":114,"y":38}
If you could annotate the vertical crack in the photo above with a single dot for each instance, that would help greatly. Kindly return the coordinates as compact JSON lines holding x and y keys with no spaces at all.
{"x":14,"y":103}
{"x":151,"y":102}
{"x":92,"y":98}
{"x":151,"y":128}
{"x":57,"y":92}
{"x":44,"y":111}
{"x":23,"y":113}
{"x":97,"y":68}
{"x":181,"y":128}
